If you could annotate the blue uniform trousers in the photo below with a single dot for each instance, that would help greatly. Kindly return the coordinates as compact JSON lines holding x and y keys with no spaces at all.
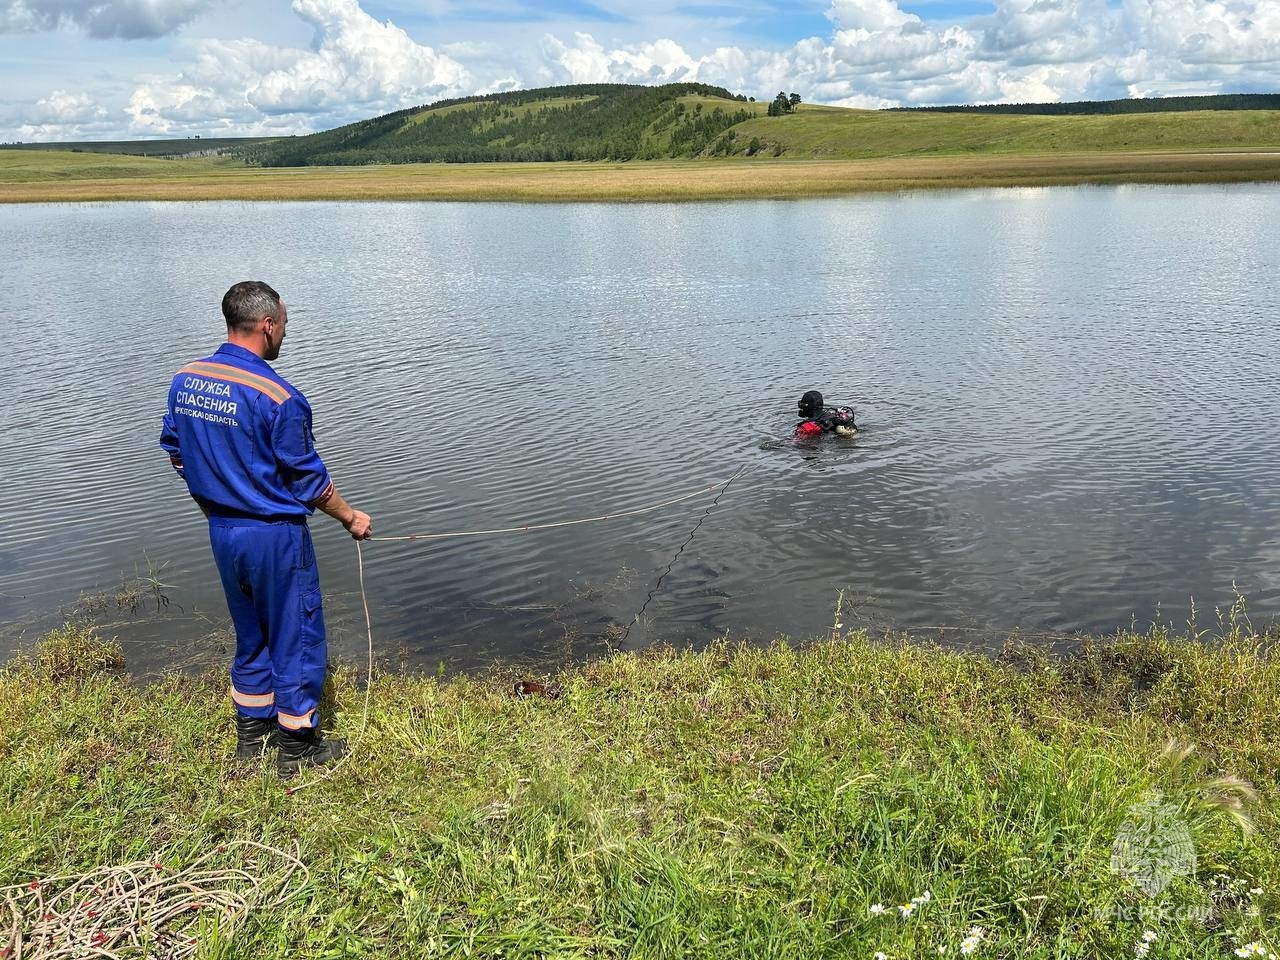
{"x":272,"y":584}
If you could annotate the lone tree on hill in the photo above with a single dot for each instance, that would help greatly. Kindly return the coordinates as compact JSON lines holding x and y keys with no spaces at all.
{"x":784,"y":104}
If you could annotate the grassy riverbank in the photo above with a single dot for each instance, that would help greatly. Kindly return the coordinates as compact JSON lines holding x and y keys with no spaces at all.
{"x":45,"y":176}
{"x":734,"y":802}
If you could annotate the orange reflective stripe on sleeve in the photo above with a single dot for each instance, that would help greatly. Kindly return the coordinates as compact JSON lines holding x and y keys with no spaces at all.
{"x":222,"y":371}
{"x":290,"y":722}
{"x":253,"y":699}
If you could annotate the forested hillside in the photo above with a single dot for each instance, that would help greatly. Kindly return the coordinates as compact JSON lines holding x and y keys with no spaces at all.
{"x":580,"y":122}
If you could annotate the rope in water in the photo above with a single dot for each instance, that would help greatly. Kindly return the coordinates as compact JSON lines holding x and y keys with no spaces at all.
{"x":626,"y":633}
{"x":144,"y":908}
{"x":329,"y":771}
{"x":525,"y":528}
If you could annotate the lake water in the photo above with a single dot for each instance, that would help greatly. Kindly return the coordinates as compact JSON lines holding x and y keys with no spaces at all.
{"x":1068,"y":399}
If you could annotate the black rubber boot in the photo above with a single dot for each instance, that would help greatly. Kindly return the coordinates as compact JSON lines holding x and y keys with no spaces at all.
{"x":305,"y":748}
{"x":253,"y":736}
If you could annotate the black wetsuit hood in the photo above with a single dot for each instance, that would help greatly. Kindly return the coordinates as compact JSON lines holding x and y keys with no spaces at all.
{"x":810,"y":405}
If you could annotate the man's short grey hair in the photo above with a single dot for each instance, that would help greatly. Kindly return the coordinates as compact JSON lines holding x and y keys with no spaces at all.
{"x":247,"y":302}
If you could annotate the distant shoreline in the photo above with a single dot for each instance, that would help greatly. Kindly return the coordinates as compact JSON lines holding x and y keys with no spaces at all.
{"x":74,"y":178}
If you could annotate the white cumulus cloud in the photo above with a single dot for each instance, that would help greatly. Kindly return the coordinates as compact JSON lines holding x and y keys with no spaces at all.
{"x":663,"y":61}
{"x":1195,"y":32}
{"x":62,"y":115}
{"x":1038,"y":32}
{"x":874,"y":54}
{"x":127,"y":19}
{"x":879,"y":54}
{"x":356,"y":67}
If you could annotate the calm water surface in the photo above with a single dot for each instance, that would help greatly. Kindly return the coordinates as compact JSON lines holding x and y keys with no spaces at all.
{"x":1068,"y":398}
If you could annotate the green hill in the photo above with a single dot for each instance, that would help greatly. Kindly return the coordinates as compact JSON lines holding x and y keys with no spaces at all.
{"x":580,"y":122}
{"x":629,"y":122}
{"x":832,"y":133}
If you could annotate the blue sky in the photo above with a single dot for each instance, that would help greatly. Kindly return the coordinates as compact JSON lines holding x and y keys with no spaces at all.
{"x":106,"y":69}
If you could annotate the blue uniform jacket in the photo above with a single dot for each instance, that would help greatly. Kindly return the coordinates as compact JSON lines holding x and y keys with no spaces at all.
{"x":240,"y":435}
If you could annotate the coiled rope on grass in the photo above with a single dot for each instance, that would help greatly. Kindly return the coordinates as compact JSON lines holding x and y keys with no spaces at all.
{"x":145,"y":908}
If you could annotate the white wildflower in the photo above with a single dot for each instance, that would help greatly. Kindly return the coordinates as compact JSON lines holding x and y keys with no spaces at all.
{"x":907,"y":909}
{"x":1255,"y":891}
{"x":1150,"y":936}
{"x":977,"y":932}
{"x":969,"y":944}
{"x":1253,"y":949}
{"x":877,"y":909}
{"x":881,"y":956}
{"x":1141,"y":949}
{"x":942,"y":948}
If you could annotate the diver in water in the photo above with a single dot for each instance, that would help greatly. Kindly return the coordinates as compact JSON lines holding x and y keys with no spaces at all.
{"x":816,"y":419}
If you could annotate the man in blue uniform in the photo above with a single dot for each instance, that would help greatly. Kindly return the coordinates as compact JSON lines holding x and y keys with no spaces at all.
{"x":240,"y":436}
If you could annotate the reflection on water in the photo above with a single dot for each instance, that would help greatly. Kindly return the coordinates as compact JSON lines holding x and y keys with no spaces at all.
{"x":1067,"y":400}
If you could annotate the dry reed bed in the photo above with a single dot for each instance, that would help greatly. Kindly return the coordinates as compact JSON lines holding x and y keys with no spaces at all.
{"x":660,"y":180}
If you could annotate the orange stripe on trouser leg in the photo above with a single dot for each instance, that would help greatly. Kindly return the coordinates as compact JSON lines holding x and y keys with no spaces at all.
{"x":290,"y":722}
{"x":253,"y":699}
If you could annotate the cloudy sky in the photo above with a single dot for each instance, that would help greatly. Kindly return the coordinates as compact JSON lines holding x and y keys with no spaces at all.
{"x":107,"y":69}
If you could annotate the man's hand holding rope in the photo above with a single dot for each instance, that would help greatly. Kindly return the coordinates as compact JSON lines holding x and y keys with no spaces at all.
{"x":356,"y":522}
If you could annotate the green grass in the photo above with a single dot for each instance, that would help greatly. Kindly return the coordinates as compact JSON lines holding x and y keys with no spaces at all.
{"x":734,"y":802}
{"x":44,"y":166}
{"x":815,"y":132}
{"x":691,"y":100}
